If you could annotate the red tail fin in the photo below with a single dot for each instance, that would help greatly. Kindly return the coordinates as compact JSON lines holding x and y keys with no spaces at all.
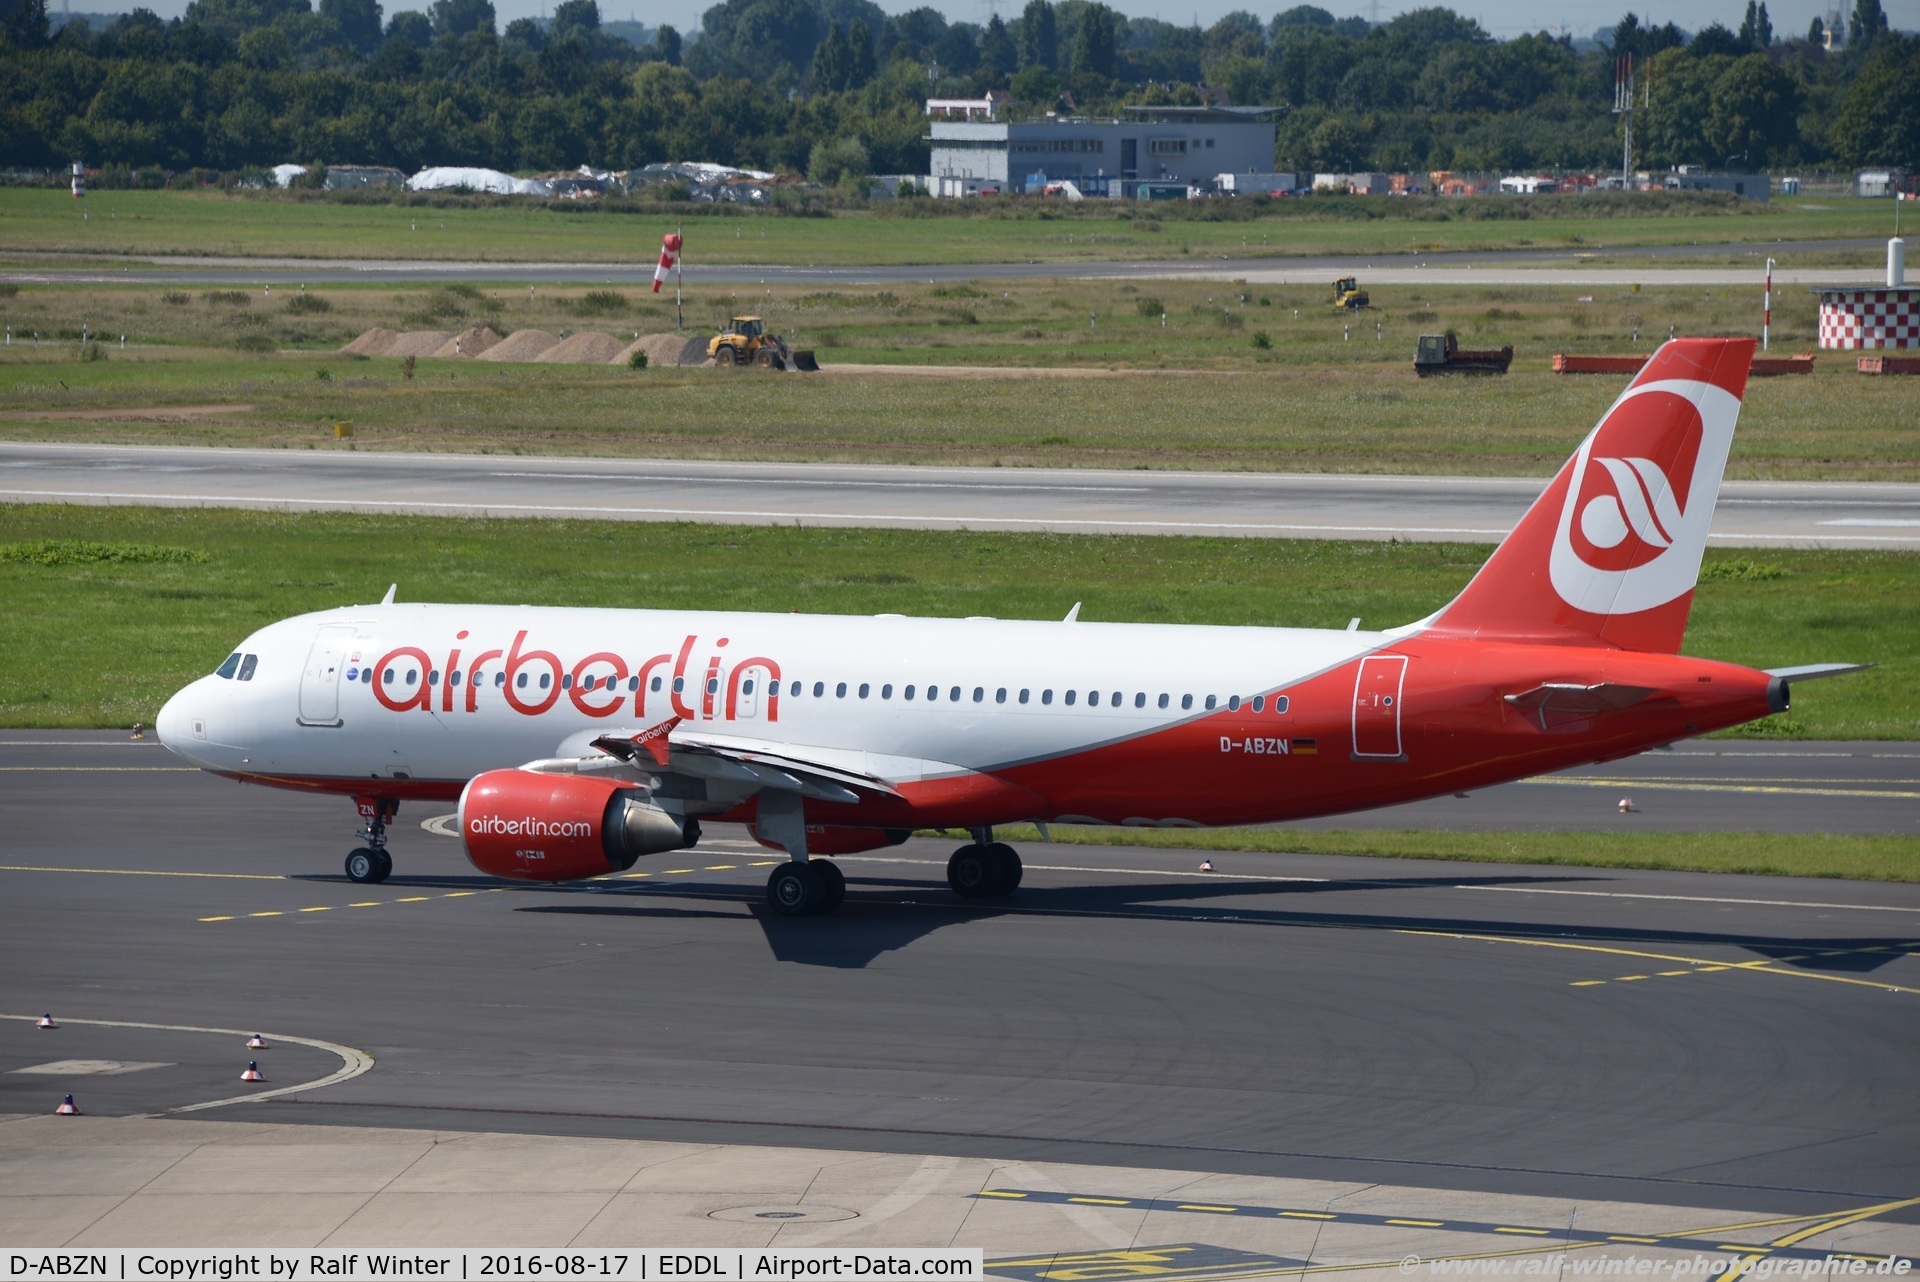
{"x":1611,"y":551}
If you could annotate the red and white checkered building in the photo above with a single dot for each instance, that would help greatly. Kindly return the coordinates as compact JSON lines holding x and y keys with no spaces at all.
{"x":1868,"y":318}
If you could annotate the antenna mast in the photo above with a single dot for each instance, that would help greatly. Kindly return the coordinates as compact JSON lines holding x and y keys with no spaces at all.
{"x":1623,"y":107}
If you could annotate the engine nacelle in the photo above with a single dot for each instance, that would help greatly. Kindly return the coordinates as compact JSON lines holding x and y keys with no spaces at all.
{"x":532,"y":826}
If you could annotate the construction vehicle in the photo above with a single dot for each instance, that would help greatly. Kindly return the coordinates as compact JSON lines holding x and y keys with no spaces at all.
{"x":745,"y":341}
{"x":1441,"y":354}
{"x":1347,"y":294}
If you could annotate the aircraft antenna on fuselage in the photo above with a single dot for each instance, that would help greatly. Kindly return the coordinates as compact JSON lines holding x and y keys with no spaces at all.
{"x":388,"y":598}
{"x":1073,"y":615}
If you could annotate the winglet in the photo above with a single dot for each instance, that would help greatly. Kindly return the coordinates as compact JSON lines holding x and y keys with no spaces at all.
{"x":388,"y":598}
{"x":652,"y":741}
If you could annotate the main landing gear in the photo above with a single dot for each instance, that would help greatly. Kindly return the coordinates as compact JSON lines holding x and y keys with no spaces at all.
{"x":987,"y":869}
{"x":796,"y":889}
{"x":371,"y":864}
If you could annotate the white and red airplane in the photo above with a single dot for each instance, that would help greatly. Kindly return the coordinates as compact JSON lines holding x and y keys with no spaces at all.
{"x":580,"y":740}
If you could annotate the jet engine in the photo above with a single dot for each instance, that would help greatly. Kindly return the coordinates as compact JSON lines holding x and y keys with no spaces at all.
{"x":532,"y":826}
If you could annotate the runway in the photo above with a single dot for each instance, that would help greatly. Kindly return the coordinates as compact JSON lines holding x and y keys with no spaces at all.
{"x":1240,"y":504}
{"x":1675,"y":1040}
{"x":1586,"y":266}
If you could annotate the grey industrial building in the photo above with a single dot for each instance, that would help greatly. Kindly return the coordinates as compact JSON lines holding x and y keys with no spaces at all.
{"x":1151,"y":151}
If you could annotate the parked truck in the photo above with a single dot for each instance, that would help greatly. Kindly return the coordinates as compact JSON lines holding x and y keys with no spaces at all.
{"x":1441,"y":354}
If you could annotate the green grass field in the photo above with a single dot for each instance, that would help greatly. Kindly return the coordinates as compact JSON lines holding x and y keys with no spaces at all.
{"x":104,"y":642}
{"x":1864,"y":858}
{"x":281,"y":225}
{"x":1323,"y":394}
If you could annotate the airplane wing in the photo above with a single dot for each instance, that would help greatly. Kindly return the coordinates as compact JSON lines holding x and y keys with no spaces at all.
{"x":756,"y":764}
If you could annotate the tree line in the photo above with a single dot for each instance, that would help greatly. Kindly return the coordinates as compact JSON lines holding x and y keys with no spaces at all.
{"x":835,"y":87}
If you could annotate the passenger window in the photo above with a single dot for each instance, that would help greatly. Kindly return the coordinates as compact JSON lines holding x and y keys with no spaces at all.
{"x":886,"y":692}
{"x":1210,"y":703}
{"x":679,"y":685}
{"x":746,"y":687}
{"x":713,"y":684}
{"x":1023,"y":695}
{"x":1000,"y":695}
{"x":1046,"y":697}
{"x":1186,"y":701}
{"x":1279,"y":704}
{"x":953,"y":695}
{"x":500,"y":679}
{"x":1259,"y":703}
{"x":521,"y":681}
{"x":979,"y":693}
{"x":1233,"y":703}
{"x":1070,"y":698}
{"x":907,"y":694}
{"x":633,"y":684}
{"x":546,"y":679}
{"x":566,"y":682}
{"x":840,"y":691}
{"x":228,"y":668}
{"x":1093,"y":699}
{"x":863,"y":689}
{"x":1165,"y":700}
{"x":247,"y":666}
{"x":1140,"y":700}
{"x":412,"y":676}
{"x":820,"y":688}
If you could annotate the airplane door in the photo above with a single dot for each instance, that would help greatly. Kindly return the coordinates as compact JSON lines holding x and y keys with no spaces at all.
{"x":752,"y":691}
{"x":320,"y":680}
{"x":1376,"y":707}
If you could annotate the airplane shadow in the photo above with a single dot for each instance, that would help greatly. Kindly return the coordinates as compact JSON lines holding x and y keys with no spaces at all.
{"x":883,"y":914}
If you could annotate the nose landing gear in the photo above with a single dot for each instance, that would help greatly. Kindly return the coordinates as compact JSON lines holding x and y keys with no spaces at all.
{"x":371,"y":864}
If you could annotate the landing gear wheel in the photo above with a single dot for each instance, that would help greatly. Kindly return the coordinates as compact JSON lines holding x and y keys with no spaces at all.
{"x":833,"y":882}
{"x":368,"y":866}
{"x":796,"y":890}
{"x":1010,"y":867}
{"x":973,"y":872}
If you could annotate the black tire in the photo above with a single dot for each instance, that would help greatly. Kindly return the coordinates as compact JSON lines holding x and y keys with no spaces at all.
{"x":767,"y":358}
{"x":795,"y":890}
{"x":833,"y":883}
{"x":726,"y":355}
{"x":973,"y":873}
{"x":1010,"y":867}
{"x":363,"y":866}
{"x":386,"y":867}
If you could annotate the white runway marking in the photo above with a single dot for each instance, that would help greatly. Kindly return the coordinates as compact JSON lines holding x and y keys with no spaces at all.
{"x":774,"y":480}
{"x":352,"y":1062}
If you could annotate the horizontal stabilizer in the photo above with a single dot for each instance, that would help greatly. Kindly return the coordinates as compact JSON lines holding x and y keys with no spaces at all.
{"x":1814,"y":671}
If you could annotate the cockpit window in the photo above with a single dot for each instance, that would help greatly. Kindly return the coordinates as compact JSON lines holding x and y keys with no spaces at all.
{"x":228,"y":668}
{"x":247,"y":665}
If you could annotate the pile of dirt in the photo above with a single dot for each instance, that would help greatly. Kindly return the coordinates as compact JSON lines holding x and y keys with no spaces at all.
{"x":588,"y":347}
{"x":665,"y":349}
{"x":374,"y":342}
{"x":470,"y":342}
{"x":521,"y":345}
{"x":419,"y":342}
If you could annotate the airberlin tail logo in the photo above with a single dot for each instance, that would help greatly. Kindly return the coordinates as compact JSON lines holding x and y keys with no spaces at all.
{"x":1640,"y":498}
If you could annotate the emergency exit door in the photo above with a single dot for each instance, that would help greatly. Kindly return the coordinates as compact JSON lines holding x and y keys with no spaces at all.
{"x":1376,"y":707}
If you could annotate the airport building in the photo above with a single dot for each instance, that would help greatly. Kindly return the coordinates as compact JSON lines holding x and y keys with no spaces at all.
{"x":1149,"y":152}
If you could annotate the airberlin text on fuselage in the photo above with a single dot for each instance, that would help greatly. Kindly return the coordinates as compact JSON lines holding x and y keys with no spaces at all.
{"x":598,"y":685}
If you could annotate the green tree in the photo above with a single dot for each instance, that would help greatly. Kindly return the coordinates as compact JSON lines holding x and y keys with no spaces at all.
{"x":1867,"y":22}
{"x":860,"y":60}
{"x":1762,"y":28}
{"x":843,"y":162}
{"x":1243,"y":79}
{"x":666,"y":43}
{"x":1817,"y":33}
{"x":570,"y":16}
{"x":1878,"y":121}
{"x":410,"y":27}
{"x":1096,"y":41}
{"x":1754,"y":105}
{"x":358,"y":21}
{"x":830,"y":61}
{"x":26,"y":25}
{"x":996,"y":48}
{"x":461,"y":17}
{"x":1039,"y":39}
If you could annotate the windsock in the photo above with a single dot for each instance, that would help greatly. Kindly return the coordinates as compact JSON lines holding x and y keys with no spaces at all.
{"x":669,"y":255}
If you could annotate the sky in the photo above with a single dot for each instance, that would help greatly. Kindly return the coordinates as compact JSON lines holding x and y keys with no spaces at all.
{"x":1502,"y":18}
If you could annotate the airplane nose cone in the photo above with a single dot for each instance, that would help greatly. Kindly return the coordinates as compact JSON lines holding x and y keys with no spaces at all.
{"x":172,"y":725}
